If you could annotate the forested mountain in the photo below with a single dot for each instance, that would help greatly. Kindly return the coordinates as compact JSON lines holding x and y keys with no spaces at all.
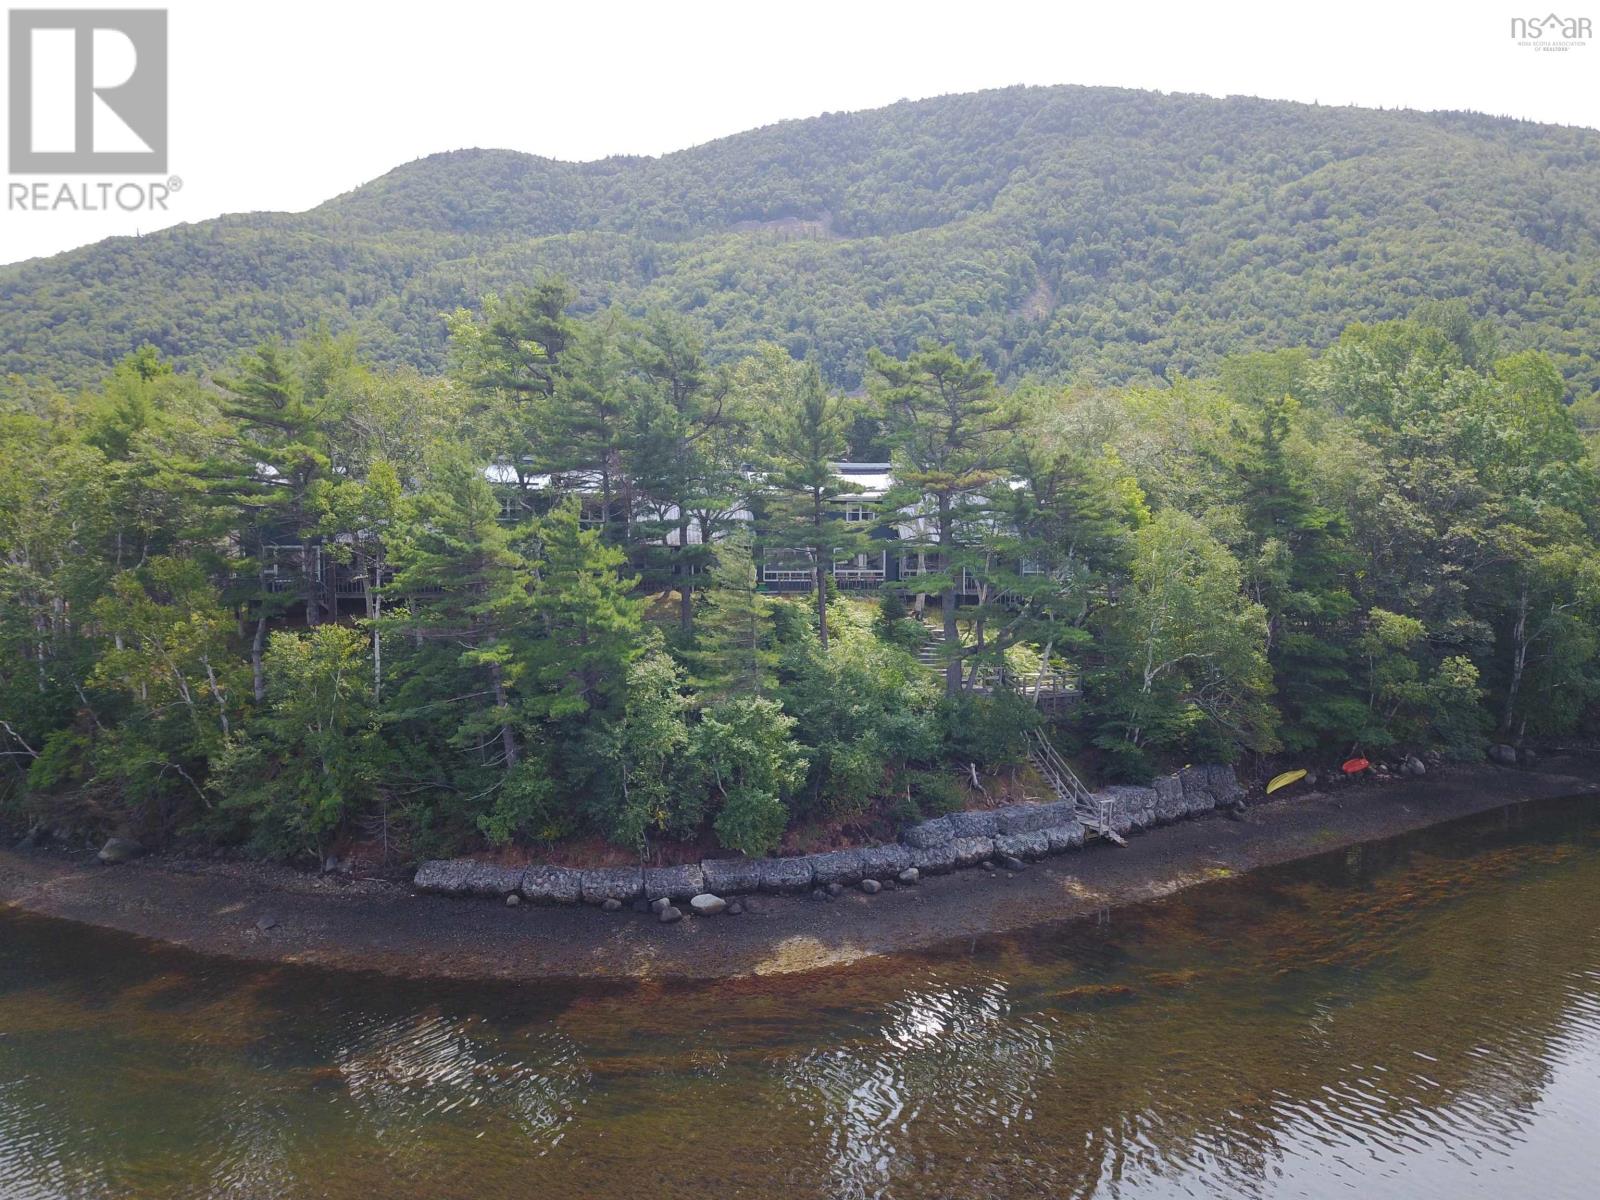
{"x":1073,"y":232}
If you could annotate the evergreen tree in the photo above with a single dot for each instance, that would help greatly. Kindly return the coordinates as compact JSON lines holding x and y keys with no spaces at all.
{"x":591,"y":420}
{"x":272,"y":486}
{"x":585,"y":624}
{"x":1298,"y":563}
{"x":948,"y":430}
{"x":466,"y":585}
{"x":806,"y":435}
{"x":644,"y":753}
{"x":510,"y":356}
{"x":678,"y":416}
{"x":734,"y":635}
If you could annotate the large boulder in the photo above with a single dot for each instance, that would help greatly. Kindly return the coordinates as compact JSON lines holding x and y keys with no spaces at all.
{"x":1061,"y":838}
{"x":1169,"y":798}
{"x":886,"y":860}
{"x":707,"y":905}
{"x":552,"y":885}
{"x":934,"y":860}
{"x":972,"y":824}
{"x":786,"y":874}
{"x":446,"y":876}
{"x":486,"y":879}
{"x":38,"y":835}
{"x":970,"y":850}
{"x":726,"y":876}
{"x":1124,"y":813}
{"x":675,"y":883}
{"x":1225,"y":785}
{"x":839,"y":866}
{"x":1503,"y":754}
{"x":936,"y":832}
{"x":1062,"y":812}
{"x":1023,"y":818}
{"x":1033,"y":844}
{"x":1197,"y":794}
{"x":1139,"y":803}
{"x":611,"y":883}
{"x":119,"y":850}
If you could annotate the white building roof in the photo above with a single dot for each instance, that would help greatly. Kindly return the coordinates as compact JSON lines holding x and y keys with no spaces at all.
{"x":874,"y":479}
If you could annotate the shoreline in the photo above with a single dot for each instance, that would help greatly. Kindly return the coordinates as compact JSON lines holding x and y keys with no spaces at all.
{"x":276,"y":915}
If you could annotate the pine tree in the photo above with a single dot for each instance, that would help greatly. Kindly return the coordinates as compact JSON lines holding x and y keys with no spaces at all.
{"x":274,"y":482}
{"x":590,"y":419}
{"x":466,"y":585}
{"x":809,"y":432}
{"x":511,"y":357}
{"x":948,"y":430}
{"x":734,"y":655}
{"x":586,"y":624}
{"x":1298,"y":578}
{"x":677,"y":443}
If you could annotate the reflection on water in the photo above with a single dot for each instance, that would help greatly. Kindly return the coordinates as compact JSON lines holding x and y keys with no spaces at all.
{"x":1418,"y":1018}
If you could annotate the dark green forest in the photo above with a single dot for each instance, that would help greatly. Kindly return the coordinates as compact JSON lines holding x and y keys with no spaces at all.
{"x":1387,"y":546}
{"x":1071,"y":234}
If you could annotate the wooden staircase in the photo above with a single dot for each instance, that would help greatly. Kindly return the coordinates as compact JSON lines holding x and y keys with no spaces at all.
{"x":1093,"y":811}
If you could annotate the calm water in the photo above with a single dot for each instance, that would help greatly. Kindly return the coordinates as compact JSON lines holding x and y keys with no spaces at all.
{"x":1411,"y":1019}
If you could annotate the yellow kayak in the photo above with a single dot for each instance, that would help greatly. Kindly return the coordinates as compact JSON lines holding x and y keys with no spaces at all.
{"x":1285,"y":780}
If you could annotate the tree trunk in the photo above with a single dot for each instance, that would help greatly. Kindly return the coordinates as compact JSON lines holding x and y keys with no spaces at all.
{"x":375,"y":610}
{"x":819,"y":549}
{"x":822,"y":607}
{"x":257,"y":673}
{"x":508,"y":737}
{"x":1519,"y":661}
{"x":313,"y":615}
{"x":685,"y":579}
{"x":1044,"y":665}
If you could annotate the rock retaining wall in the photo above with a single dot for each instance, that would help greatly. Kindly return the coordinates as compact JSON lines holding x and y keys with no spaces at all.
{"x":948,"y":843}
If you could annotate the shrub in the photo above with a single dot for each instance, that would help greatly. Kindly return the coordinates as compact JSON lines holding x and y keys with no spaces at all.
{"x":751,"y":822}
{"x":314,"y":755}
{"x":987,"y":730}
{"x":742,"y":751}
{"x":935,"y":793}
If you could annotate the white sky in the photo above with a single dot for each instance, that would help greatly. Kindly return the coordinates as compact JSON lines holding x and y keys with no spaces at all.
{"x":280,"y":104}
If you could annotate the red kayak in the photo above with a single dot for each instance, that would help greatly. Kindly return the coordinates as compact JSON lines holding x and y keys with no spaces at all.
{"x":1356,"y":764}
